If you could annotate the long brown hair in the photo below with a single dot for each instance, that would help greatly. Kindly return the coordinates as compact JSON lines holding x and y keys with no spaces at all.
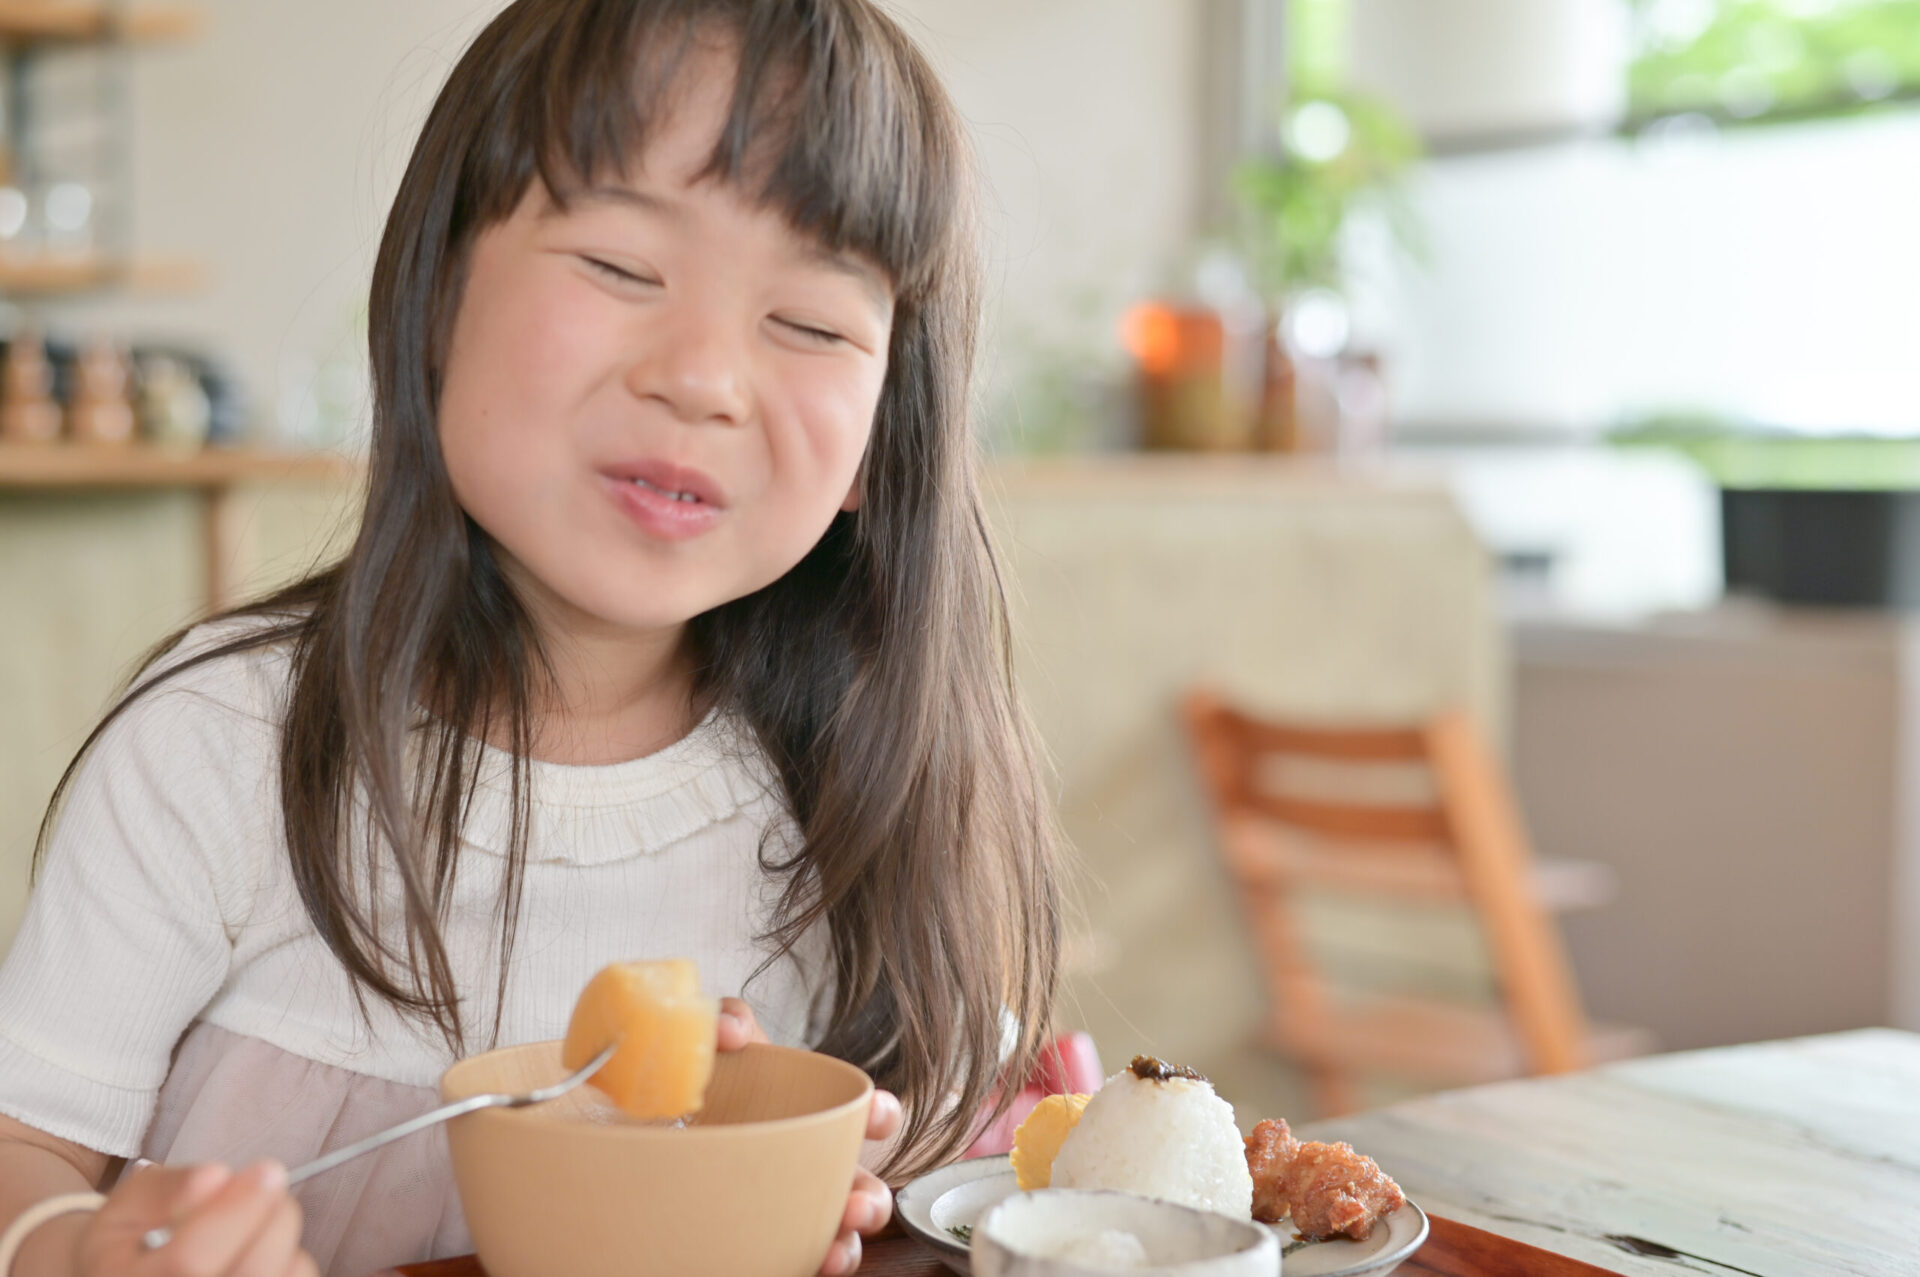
{"x":875,"y":675}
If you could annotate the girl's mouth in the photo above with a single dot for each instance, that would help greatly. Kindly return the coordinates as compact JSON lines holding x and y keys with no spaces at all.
{"x":666,"y":506}
{"x":672,"y":482}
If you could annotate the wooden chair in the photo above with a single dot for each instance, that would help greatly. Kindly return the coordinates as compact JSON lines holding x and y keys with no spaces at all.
{"x":1461,"y":842}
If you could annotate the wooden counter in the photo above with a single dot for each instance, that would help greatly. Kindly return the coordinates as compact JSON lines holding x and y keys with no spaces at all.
{"x":214,"y":475}
{"x":103,"y":551}
{"x":1781,"y":1159}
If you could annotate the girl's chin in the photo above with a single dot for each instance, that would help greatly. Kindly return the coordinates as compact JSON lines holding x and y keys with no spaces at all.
{"x":666,"y":622}
{"x":662,"y":612}
{"x":589,"y":610}
{"x":616,"y":591}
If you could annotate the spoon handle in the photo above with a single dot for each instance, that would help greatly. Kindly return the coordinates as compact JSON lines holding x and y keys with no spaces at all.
{"x":155,"y":1238}
{"x":379,"y":1139}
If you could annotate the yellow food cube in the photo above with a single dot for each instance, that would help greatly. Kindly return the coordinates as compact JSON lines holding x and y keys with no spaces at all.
{"x":666,"y":1031}
{"x":1038,"y":1139}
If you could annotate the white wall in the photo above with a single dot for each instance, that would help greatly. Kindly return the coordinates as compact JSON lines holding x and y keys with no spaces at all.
{"x":1769,"y":272}
{"x":1762,"y":272}
{"x":1086,"y":116}
{"x":270,"y":149}
{"x":1493,"y":66}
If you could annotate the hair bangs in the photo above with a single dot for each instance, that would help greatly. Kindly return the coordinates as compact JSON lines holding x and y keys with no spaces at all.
{"x":834,"y":120}
{"x":605,"y":73}
{"x":835,"y":123}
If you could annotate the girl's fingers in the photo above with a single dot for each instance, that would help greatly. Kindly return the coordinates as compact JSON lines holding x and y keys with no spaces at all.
{"x":161,"y":1194}
{"x":302,"y":1266}
{"x":196,"y":1188}
{"x":275,"y":1247}
{"x":882,"y":1199}
{"x":214,"y":1236}
{"x":738,"y":1026}
{"x":844,"y":1257}
{"x":869,"y":1205}
{"x":145,"y":1198}
{"x":884,"y":1116}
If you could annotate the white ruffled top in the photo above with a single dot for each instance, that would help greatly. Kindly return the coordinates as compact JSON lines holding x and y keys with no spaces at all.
{"x":167,"y":905}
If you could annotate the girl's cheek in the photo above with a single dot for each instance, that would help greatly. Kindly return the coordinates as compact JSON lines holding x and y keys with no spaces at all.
{"x":841,"y":412}
{"x":566,"y":325}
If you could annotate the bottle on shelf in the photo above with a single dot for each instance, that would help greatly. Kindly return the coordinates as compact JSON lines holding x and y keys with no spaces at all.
{"x":28,"y":411}
{"x":101,"y":411}
{"x":175,"y":409}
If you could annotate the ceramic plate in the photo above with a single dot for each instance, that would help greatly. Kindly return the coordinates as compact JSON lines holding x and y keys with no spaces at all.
{"x":953,"y":1197}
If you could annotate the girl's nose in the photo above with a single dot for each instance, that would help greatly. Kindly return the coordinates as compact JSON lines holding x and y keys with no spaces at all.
{"x":696,"y":369}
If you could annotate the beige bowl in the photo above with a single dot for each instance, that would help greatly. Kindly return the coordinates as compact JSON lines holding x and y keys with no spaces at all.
{"x":754,"y":1188}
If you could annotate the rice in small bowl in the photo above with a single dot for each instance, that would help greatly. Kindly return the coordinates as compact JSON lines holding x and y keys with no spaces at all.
{"x":1057,"y":1232}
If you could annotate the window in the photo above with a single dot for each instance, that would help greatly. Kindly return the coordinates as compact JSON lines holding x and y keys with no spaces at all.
{"x":1658,"y":256}
{"x":1759,"y":60}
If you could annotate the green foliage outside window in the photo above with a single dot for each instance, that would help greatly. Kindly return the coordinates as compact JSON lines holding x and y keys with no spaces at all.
{"x":1755,"y":59}
{"x":1736,"y":455}
{"x":1300,"y":200}
{"x":1335,"y":152}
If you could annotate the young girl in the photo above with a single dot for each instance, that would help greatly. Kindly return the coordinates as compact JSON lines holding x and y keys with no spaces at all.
{"x":670,"y":629}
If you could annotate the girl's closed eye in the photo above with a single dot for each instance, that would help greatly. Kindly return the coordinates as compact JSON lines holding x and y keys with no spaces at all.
{"x":812,"y":332}
{"x":618,"y":274}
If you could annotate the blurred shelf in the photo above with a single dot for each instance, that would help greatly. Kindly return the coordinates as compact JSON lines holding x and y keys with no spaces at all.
{"x":213,"y":475}
{"x":67,"y":274}
{"x":41,"y":21}
{"x":80,"y":467}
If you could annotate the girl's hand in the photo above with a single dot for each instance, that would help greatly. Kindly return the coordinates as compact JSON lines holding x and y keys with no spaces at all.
{"x":870,"y":1203}
{"x":224,"y":1225}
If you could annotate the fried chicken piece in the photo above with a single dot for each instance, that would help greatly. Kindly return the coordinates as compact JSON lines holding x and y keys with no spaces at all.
{"x":1329,"y":1189}
{"x":1334,"y":1190}
{"x":1270,"y":1151}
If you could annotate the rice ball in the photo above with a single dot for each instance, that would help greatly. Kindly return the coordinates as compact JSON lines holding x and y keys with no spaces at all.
{"x":1159,"y":1132}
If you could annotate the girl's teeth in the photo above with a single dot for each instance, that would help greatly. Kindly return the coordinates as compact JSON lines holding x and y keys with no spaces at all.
{"x":677,"y":496}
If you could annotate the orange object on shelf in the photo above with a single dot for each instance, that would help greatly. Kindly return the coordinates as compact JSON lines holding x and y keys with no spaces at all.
{"x":1169,"y":341}
{"x":1180,"y":352}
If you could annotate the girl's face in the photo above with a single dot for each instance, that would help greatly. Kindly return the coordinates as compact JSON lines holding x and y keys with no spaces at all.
{"x":656,"y":399}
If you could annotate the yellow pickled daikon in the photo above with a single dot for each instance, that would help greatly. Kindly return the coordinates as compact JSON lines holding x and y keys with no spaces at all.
{"x":1038,"y":1139}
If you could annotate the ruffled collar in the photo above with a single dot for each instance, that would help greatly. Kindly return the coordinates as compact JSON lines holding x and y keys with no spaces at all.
{"x":597,"y":814}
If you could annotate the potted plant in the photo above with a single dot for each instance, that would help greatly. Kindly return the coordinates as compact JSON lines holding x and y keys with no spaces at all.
{"x":1341,"y":157}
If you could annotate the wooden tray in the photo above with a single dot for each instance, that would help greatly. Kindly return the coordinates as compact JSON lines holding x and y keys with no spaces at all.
{"x":1452,"y":1250}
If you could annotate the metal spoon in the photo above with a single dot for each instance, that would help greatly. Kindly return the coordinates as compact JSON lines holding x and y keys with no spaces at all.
{"x":155,"y":1238}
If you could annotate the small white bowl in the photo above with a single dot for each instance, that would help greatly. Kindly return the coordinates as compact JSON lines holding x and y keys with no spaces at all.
{"x":1016,"y":1236}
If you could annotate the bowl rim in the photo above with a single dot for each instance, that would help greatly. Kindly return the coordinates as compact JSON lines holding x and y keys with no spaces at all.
{"x":729,"y":1130}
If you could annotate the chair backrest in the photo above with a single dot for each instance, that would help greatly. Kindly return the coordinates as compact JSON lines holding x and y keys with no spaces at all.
{"x":1457,"y":838}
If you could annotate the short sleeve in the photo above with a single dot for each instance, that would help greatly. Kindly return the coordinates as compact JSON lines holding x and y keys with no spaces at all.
{"x":129,"y":930}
